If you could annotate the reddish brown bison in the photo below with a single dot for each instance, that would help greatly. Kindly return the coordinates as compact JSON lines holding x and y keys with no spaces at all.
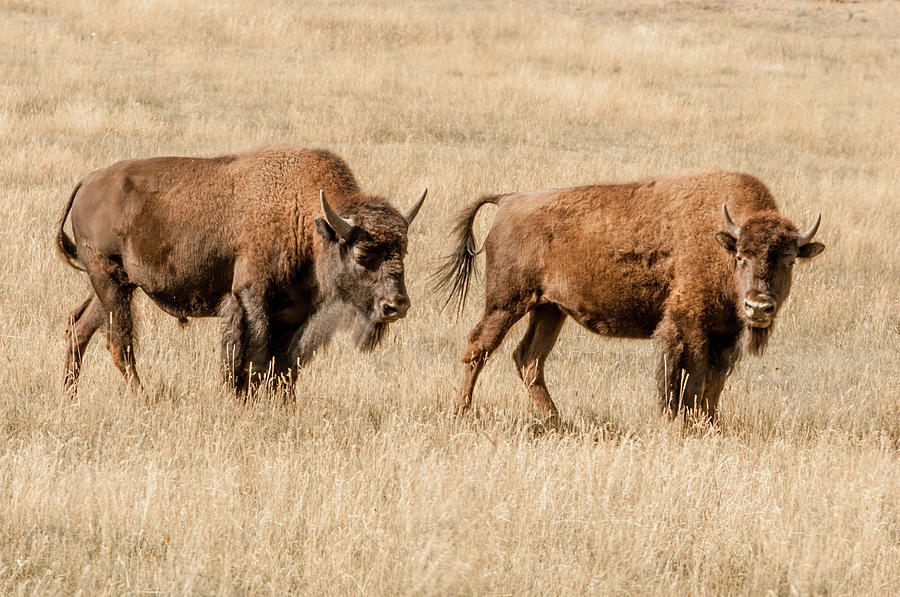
{"x":236,"y":237}
{"x":633,"y":261}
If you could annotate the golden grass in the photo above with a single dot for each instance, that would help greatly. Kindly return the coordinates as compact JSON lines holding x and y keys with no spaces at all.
{"x":364,"y":483}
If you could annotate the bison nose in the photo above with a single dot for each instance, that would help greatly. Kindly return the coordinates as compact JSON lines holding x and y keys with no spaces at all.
{"x":759,"y":311}
{"x":394,"y":307}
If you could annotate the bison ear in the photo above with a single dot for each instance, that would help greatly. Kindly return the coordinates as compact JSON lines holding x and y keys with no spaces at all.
{"x":728,"y":242}
{"x":810,"y":250}
{"x":327,"y":232}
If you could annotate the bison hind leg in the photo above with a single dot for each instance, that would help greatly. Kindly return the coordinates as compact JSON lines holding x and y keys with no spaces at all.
{"x":544,"y":326}
{"x":82,"y":323}
{"x":484,"y":338}
{"x":114,"y":292}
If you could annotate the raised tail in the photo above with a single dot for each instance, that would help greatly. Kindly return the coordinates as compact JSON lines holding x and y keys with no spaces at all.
{"x":65,"y":246}
{"x":456,"y":273}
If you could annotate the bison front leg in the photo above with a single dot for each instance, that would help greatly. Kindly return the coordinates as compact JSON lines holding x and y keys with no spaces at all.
{"x":316,"y":333}
{"x":280,"y":342}
{"x":682,"y":370}
{"x":723,"y":355}
{"x":712,"y":389}
{"x":233,"y":360}
{"x":245,"y":339}
{"x":680,"y":384}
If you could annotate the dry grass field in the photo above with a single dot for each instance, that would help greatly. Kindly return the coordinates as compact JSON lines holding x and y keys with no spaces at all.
{"x":365,"y":483}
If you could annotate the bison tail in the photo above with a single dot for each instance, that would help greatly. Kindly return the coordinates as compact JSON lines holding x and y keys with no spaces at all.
{"x":65,"y":246}
{"x":456,"y":273}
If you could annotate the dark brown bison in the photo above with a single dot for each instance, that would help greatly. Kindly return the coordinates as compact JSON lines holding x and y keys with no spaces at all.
{"x":660,"y":258}
{"x":236,"y":237}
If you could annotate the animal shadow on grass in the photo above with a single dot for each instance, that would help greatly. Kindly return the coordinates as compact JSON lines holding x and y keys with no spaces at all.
{"x":587,"y":427}
{"x":584,"y":425}
{"x":164,"y":392}
{"x":271,"y":388}
{"x":275,"y":390}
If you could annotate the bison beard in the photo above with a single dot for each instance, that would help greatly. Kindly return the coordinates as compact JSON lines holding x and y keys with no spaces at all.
{"x":368,"y":334}
{"x":756,"y":339}
{"x":329,"y":318}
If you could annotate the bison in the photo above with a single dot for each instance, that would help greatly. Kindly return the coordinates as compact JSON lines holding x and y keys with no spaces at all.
{"x":661,"y":259}
{"x":237,"y":237}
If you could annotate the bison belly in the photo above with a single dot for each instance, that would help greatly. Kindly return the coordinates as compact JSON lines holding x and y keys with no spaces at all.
{"x":625,"y":302}
{"x":195,"y":303}
{"x":619,"y":322}
{"x":182,"y":286}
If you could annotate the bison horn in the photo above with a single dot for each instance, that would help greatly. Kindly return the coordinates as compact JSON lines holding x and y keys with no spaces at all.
{"x":337,"y":223}
{"x":732,"y":228}
{"x":410,"y":214}
{"x":809,"y":234}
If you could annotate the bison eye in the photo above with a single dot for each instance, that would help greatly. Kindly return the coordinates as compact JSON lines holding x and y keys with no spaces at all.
{"x":367,"y":259}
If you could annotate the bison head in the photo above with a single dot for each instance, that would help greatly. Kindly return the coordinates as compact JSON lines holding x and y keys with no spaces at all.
{"x":361,"y":263}
{"x":764,"y":249}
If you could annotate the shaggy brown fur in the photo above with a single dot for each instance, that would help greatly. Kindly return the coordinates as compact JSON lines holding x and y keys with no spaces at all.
{"x":635,"y":260}
{"x":240,"y":237}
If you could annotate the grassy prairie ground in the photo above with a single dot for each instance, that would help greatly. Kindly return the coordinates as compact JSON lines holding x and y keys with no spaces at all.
{"x":365,"y":483}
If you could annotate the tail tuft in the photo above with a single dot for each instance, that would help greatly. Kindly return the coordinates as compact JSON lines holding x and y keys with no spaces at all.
{"x":457,"y":272}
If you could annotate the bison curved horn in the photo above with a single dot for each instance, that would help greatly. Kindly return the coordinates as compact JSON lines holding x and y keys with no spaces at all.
{"x":337,"y":223}
{"x":809,"y":234}
{"x":732,"y":228}
{"x":410,"y":214}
